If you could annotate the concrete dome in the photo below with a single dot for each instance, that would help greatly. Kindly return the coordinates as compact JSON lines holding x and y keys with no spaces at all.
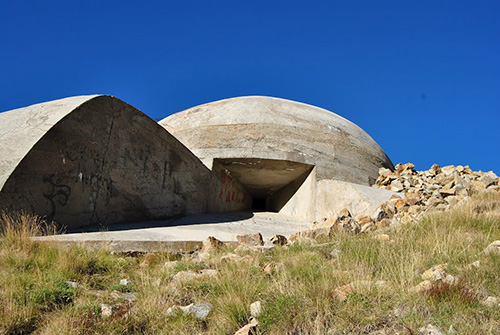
{"x":278,"y":129}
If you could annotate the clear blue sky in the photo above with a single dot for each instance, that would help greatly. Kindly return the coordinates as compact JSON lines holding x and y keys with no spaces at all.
{"x":421,"y":77}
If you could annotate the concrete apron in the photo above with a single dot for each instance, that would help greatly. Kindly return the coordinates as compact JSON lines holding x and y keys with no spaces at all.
{"x":182,"y":234}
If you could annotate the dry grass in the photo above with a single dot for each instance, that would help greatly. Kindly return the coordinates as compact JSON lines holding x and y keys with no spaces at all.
{"x":298,"y":295}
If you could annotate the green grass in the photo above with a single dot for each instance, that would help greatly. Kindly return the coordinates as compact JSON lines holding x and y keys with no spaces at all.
{"x":298,"y":295}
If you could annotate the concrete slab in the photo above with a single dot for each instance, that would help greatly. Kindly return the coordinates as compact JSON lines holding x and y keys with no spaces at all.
{"x":183,"y":234}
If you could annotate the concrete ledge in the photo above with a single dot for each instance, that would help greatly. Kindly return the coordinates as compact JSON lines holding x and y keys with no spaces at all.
{"x":184,"y":234}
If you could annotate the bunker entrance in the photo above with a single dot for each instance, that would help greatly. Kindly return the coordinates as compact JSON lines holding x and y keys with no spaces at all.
{"x":269,"y":182}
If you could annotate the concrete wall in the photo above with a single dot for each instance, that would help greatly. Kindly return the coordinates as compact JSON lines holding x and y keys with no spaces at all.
{"x":298,"y":198}
{"x":101,"y":161}
{"x":334,"y":195}
{"x":226,"y":193}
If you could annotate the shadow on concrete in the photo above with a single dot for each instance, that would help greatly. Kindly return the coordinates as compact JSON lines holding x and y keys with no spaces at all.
{"x":209,"y":218}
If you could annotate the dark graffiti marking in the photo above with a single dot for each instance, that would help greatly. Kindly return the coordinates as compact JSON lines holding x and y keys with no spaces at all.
{"x":58,"y":195}
{"x":138,"y":157}
{"x":99,"y":186}
{"x":166,"y":169}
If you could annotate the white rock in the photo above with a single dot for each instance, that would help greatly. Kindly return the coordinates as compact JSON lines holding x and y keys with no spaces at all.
{"x":209,"y":272}
{"x":73,"y":284}
{"x":435,"y":273}
{"x":199,"y":311}
{"x":172,"y":311}
{"x":255,"y":309}
{"x":424,"y":286}
{"x":430,"y":330}
{"x":491,"y":302}
{"x":396,"y":186}
{"x":473,"y":265}
{"x":447,"y":170}
{"x":170,"y":265}
{"x":106,"y":310}
{"x":124,"y":282}
{"x":494,"y":247}
{"x":488,"y":178}
{"x":450,"y":280}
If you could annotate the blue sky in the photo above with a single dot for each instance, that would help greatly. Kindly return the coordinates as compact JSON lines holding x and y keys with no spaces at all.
{"x":421,"y":77}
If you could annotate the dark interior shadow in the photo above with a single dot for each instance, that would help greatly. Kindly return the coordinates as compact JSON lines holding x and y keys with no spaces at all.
{"x":209,"y":218}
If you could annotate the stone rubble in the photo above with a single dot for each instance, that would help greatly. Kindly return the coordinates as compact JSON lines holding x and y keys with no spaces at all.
{"x":434,"y":274}
{"x":439,"y":188}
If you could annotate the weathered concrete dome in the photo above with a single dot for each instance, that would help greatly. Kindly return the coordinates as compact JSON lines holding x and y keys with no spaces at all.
{"x":279,"y":129}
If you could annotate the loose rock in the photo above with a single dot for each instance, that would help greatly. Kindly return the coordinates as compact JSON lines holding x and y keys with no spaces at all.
{"x":435,"y":273}
{"x":199,"y":311}
{"x":124,"y":282}
{"x":424,"y":286}
{"x":278,"y":240}
{"x":255,"y":309}
{"x":106,"y":310}
{"x":212,"y":245}
{"x":493,"y":248}
{"x":491,"y":302}
{"x":251,"y":239}
{"x":249,"y":328}
{"x":430,"y":330}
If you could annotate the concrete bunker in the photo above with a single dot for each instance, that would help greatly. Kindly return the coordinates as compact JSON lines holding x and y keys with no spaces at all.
{"x":269,"y":183}
{"x":95,"y":160}
{"x":280,"y":155}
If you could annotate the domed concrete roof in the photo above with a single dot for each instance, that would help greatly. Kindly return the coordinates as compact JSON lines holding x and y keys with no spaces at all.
{"x":273,"y":128}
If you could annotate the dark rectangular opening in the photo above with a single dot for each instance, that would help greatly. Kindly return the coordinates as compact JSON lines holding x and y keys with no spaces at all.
{"x":259,"y":204}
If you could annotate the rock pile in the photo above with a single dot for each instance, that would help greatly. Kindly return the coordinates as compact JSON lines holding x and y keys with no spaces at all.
{"x":439,"y":188}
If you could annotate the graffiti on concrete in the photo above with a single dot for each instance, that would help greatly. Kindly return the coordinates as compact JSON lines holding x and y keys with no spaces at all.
{"x":57,"y":195}
{"x":137,"y":157}
{"x":230,"y":192}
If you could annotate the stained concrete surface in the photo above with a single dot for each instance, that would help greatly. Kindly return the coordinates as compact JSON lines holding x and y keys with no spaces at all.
{"x":93,"y":160}
{"x":279,"y":129}
{"x":185,"y":233}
